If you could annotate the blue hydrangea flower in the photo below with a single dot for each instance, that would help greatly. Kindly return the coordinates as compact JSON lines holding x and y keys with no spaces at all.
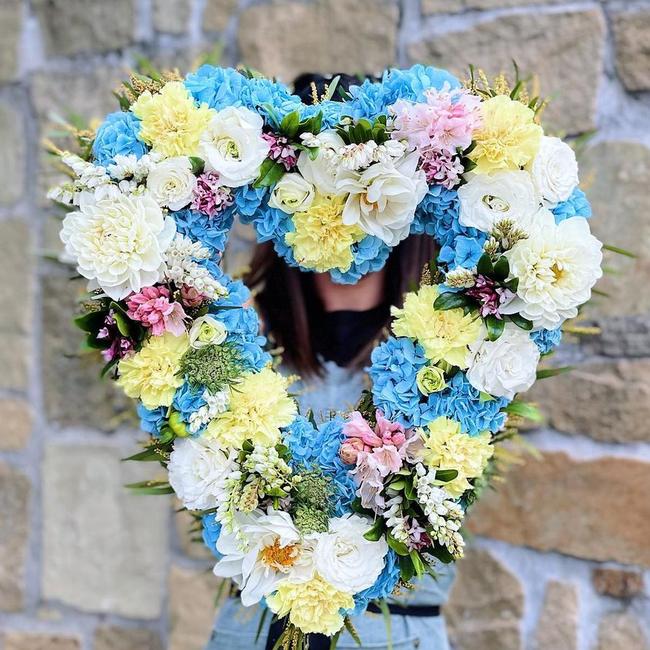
{"x":216,"y":87}
{"x":412,"y":83}
{"x":577,"y":205}
{"x":212,"y":232}
{"x":242,"y":322}
{"x":331,"y":111}
{"x":188,"y":400}
{"x":261,"y":93}
{"x":546,"y":340}
{"x":253,"y":353}
{"x":370,"y":255}
{"x":460,"y":401}
{"x":211,"y":532}
{"x":299,"y":436}
{"x":248,"y":200}
{"x":367,"y":100}
{"x":118,"y":134}
{"x":383,"y":587}
{"x":465,"y":253}
{"x":152,"y":420}
{"x":395,"y":364}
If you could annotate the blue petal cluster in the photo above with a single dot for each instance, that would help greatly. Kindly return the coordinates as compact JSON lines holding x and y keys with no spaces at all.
{"x":152,"y":420}
{"x":576,"y":205}
{"x":370,"y":255}
{"x":188,"y":400}
{"x":546,"y":340}
{"x":212,"y":232}
{"x":383,"y":587}
{"x":118,"y":134}
{"x":465,"y":253}
{"x":211,"y":532}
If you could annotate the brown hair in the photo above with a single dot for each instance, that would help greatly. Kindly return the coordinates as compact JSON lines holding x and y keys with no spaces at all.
{"x":290,"y":307}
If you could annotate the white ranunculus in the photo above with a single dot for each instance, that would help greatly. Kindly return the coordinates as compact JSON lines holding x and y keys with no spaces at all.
{"x":556,"y":265}
{"x":321,"y":172}
{"x":118,"y":243}
{"x":207,"y":330}
{"x":488,"y":198}
{"x":260,"y":551}
{"x":506,"y":366}
{"x":555,"y":171}
{"x":292,"y":194}
{"x":171,"y":182}
{"x":345,"y":558}
{"x":232,"y":145}
{"x":383,"y":198}
{"x":198,"y":469}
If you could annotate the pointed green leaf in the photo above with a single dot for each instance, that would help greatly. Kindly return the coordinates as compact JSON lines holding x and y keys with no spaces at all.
{"x":376,"y":531}
{"x":553,"y":372}
{"x":450,"y":300}
{"x":446,"y":475}
{"x":495,"y":327}
{"x":521,"y":322}
{"x":484,"y":266}
{"x":501,"y":269}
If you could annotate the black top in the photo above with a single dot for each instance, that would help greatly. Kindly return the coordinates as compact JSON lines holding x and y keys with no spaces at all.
{"x":341,"y":335}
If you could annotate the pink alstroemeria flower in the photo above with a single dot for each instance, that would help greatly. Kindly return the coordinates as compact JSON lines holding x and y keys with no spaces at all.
{"x":151,"y":307}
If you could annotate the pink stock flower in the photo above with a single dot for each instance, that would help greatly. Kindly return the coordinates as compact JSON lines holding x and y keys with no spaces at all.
{"x":445,"y":122}
{"x":417,"y":536}
{"x":120,"y":346}
{"x":441,"y":168}
{"x":209,"y":196}
{"x":152,"y":308}
{"x":191,"y":297}
{"x":489,"y":296}
{"x":281,"y":151}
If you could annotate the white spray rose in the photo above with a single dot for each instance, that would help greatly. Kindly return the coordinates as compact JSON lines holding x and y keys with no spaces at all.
{"x":171,"y":182}
{"x":207,"y":330}
{"x":232,"y":145}
{"x":292,"y":194}
{"x":506,"y":366}
{"x":321,"y":172}
{"x":198,"y":470}
{"x":118,"y":243}
{"x":383,"y":198}
{"x":488,"y":198}
{"x":556,"y":265}
{"x":555,"y":171}
{"x":345,"y":558}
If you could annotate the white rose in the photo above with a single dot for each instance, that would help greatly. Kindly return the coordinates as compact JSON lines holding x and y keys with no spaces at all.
{"x":488,"y":198}
{"x":345,"y":558}
{"x":557,"y":266}
{"x":232,"y":145}
{"x":506,"y":366}
{"x":207,"y":330}
{"x":383,"y":198}
{"x":118,"y":243}
{"x":555,"y":171}
{"x":198,"y":470}
{"x":292,"y":194}
{"x":321,"y":172}
{"x":171,"y":182}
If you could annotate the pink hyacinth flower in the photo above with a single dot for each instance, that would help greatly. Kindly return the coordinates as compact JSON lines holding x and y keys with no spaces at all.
{"x":152,"y":308}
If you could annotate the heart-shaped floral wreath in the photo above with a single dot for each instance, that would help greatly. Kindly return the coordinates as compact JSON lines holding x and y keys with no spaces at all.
{"x":323,"y":518}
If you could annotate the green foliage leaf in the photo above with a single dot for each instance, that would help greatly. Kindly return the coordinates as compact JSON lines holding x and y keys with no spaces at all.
{"x":501,"y":269}
{"x":553,"y":372}
{"x":495,"y":327}
{"x":151,"y":487}
{"x":399,"y":547}
{"x":418,"y":564}
{"x":522,"y":322}
{"x":525,"y":410}
{"x":198,"y":165}
{"x":446,"y":475}
{"x":484,"y":266}
{"x":450,"y":300}
{"x":271,"y":172}
{"x":407,"y":570}
{"x":618,"y":250}
{"x":376,"y":531}
{"x":290,"y":125}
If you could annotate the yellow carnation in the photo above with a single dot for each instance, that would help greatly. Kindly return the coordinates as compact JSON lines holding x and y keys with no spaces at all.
{"x":314,"y":607}
{"x":447,"y":447}
{"x":508,"y":137}
{"x":153,"y":373}
{"x":171,"y":122}
{"x":259,"y":406}
{"x":321,"y":240}
{"x":444,"y":335}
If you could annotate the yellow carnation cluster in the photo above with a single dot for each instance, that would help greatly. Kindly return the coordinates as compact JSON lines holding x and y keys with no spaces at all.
{"x":509,"y":138}
{"x":153,"y":373}
{"x":259,"y":405}
{"x":314,"y":606}
{"x":321,"y":240}
{"x":447,"y":447}
{"x":171,"y":122}
{"x":444,"y":335}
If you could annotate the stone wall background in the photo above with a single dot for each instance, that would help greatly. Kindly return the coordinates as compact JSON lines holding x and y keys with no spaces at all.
{"x":561,"y":558}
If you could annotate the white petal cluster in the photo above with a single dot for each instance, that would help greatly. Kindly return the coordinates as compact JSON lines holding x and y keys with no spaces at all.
{"x":171,"y":182}
{"x":321,"y":172}
{"x":215,"y":404}
{"x":555,"y":171}
{"x":292,"y":194}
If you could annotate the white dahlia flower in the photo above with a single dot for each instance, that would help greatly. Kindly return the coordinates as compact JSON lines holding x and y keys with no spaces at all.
{"x":345,"y":558}
{"x":488,"y":198}
{"x":506,"y":366}
{"x":557,"y":266}
{"x":232,"y":146}
{"x":198,"y":470}
{"x":118,"y":243}
{"x":383,"y":198}
{"x":171,"y":182}
{"x":555,"y":171}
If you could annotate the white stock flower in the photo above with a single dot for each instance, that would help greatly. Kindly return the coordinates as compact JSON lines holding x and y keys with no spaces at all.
{"x":321,"y":172}
{"x":207,"y":330}
{"x":488,"y":198}
{"x":383,"y":198}
{"x":555,"y":170}
{"x":232,"y":145}
{"x":118,"y":243}
{"x":557,"y":266}
{"x":506,"y":366}
{"x":292,"y":194}
{"x":345,"y":558}
{"x":261,"y":550}
{"x":171,"y":182}
{"x":198,"y":470}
